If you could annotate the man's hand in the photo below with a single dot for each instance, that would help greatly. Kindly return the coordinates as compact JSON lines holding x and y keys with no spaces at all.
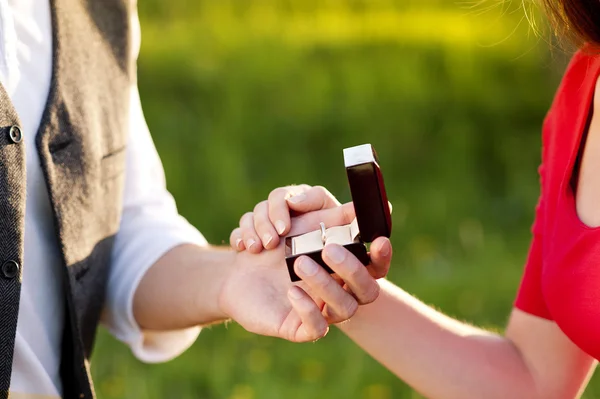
{"x":259,"y":295}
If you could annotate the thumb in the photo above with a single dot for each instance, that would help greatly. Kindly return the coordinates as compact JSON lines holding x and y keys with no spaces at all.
{"x":313,"y":199}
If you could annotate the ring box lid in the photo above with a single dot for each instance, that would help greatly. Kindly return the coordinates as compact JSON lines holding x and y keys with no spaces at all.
{"x":368,"y":192}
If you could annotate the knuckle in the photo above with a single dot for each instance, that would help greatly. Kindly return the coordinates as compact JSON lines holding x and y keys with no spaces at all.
{"x":277,"y":211}
{"x":375,"y":292}
{"x":302,"y":187}
{"x":287,"y":334}
{"x":260,"y":222}
{"x":349,"y":309}
{"x":381,"y":268}
{"x":314,"y":333}
{"x":381,"y":273}
{"x":331,"y":315}
{"x":233,"y":238}
{"x":322,"y":330}
{"x":324,"y":280}
{"x":246,"y":217}
{"x":355,"y":271}
{"x":291,"y":335}
{"x":322,"y":191}
{"x":235,"y":233}
{"x":260,"y":226}
{"x":327,"y":199}
{"x":248,"y":233}
{"x":261,"y":206}
{"x":279,"y":192}
{"x":371,"y":294}
{"x":248,"y":237}
{"x":347,"y":212}
{"x":352,"y":308}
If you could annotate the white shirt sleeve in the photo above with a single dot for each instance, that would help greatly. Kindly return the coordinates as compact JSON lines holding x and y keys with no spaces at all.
{"x":150,"y":227}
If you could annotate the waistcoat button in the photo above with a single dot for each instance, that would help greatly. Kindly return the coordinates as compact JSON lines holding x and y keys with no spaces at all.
{"x":15,"y":134}
{"x":10,"y":269}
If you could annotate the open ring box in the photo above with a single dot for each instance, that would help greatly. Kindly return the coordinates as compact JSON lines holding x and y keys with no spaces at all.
{"x":372,"y":220}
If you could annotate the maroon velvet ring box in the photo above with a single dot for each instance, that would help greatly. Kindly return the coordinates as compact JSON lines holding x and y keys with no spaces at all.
{"x":373,"y":217}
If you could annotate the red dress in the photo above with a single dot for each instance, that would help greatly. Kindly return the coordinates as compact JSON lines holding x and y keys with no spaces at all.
{"x":561,"y":281}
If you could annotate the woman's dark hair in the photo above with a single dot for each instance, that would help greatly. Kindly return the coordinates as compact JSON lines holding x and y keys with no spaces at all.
{"x":576,"y":20}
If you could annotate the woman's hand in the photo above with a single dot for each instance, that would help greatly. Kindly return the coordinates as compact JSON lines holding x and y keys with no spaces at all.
{"x":271,"y":218}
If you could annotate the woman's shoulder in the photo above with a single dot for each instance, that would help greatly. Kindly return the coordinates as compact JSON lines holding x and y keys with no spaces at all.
{"x":578,"y":80}
{"x":573,"y":98}
{"x":583,"y":62}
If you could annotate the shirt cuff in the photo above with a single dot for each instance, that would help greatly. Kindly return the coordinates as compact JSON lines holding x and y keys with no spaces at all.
{"x":133,"y":255}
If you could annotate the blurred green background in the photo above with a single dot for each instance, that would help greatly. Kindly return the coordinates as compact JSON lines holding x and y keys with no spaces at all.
{"x":243,"y":96}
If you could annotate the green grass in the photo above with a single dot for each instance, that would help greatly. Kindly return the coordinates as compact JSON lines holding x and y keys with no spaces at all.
{"x":245,"y":96}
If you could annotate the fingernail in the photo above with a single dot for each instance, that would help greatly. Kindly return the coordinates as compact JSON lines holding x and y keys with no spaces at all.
{"x":267,"y":238}
{"x":238,"y":243}
{"x":384,"y":248}
{"x":308,"y":267}
{"x":335,"y":253}
{"x":250,"y":243}
{"x":280,"y":226}
{"x":297,"y":198}
{"x":295,"y":293}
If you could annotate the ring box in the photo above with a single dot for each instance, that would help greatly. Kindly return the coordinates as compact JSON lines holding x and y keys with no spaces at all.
{"x":372,"y":220}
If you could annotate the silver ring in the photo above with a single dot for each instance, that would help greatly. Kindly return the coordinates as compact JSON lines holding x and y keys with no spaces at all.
{"x":323,"y":236}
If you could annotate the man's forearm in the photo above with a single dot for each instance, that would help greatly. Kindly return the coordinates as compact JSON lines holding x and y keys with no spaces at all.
{"x":182,"y":288}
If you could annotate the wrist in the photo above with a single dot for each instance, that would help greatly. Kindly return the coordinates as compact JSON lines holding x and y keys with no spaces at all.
{"x":217,"y":265}
{"x":227,"y":297}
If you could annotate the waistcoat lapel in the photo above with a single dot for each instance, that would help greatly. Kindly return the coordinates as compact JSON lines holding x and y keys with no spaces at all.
{"x":81,"y":145}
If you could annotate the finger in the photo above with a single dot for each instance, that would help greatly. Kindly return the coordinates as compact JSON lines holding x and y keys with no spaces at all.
{"x":236,"y":241}
{"x":381,"y":257}
{"x":314,"y":199}
{"x":352,"y":271}
{"x":313,"y":324}
{"x":340,"y":304}
{"x":279,"y":211}
{"x":251,"y":240}
{"x":336,"y":216}
{"x":263,"y":226}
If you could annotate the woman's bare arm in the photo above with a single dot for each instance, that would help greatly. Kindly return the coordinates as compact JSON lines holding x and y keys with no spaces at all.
{"x":443,"y":358}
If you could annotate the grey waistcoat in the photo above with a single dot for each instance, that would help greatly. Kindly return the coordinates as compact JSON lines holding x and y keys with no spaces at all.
{"x":81,"y":145}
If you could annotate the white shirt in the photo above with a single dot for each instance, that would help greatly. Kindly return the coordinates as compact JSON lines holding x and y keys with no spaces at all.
{"x":150,"y":223}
